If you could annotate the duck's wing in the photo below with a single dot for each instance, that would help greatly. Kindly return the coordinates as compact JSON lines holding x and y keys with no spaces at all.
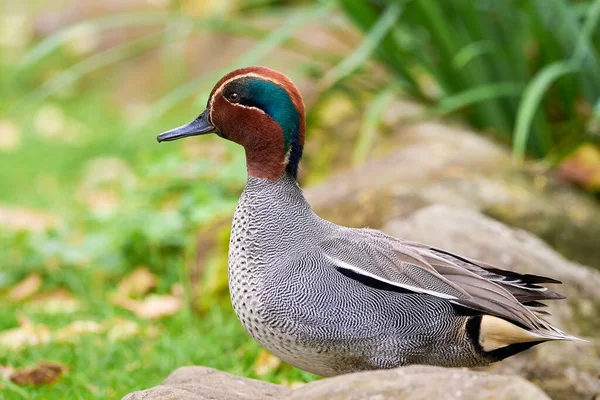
{"x":384,"y":262}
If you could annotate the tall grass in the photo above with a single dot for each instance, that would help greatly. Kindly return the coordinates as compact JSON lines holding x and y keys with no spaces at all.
{"x":528,"y":70}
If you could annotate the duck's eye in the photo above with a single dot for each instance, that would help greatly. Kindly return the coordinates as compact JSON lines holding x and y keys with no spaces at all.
{"x":234,"y":97}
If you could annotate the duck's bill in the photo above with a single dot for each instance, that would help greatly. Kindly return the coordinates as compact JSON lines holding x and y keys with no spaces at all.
{"x":199,"y":126}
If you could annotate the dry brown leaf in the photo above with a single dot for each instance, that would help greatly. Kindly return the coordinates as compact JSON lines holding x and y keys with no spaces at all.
{"x":265,"y":362}
{"x":178,"y":290}
{"x":10,"y":135}
{"x":153,"y":306}
{"x":55,"y":302}
{"x":6,"y":371}
{"x":26,"y":288}
{"x":138,"y":283}
{"x":45,"y":373}
{"x":292,"y":384}
{"x":122,"y":329}
{"x":22,"y":219}
{"x":583,"y":167}
{"x":77,"y":328}
{"x":115,"y":329}
{"x":27,"y":334}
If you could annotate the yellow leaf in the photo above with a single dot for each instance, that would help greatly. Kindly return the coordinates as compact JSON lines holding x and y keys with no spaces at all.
{"x":77,"y":328}
{"x":55,"y":302}
{"x":6,"y":371}
{"x":265,"y":363}
{"x":137,"y":283}
{"x":22,"y":219}
{"x":10,"y":135}
{"x":28,"y":334}
{"x":153,"y":306}
{"x":26,"y":288}
{"x":123,"y":329}
{"x":583,"y":167}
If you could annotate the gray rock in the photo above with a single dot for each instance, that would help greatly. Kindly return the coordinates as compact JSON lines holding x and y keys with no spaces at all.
{"x":565,"y":370}
{"x":428,"y":163}
{"x":409,"y":383}
{"x":201,"y":383}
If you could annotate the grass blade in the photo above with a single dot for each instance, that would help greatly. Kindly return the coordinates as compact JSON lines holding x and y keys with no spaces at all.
{"x":362,"y":53}
{"x":532,"y":98}
{"x":370,"y":124}
{"x":201,"y":84}
{"x":479,"y":94}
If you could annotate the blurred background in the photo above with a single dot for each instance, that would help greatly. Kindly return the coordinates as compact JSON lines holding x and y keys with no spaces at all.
{"x":113,"y":248}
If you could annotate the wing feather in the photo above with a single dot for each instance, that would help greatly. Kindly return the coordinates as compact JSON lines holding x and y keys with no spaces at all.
{"x":421,"y":269}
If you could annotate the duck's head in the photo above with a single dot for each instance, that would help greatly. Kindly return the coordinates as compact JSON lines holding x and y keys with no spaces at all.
{"x":262,"y":110}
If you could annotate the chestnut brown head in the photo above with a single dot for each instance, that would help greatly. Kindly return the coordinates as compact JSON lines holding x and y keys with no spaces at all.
{"x":262,"y":110}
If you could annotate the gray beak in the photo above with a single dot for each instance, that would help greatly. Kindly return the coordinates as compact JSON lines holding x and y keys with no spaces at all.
{"x":199,"y":126}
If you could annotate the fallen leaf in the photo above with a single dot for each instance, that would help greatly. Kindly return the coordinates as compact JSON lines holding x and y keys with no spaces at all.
{"x":101,"y":202}
{"x":153,"y":306}
{"x":78,"y":328}
{"x":27,"y":334}
{"x":265,"y":362}
{"x":122,"y":329}
{"x":137,"y":283}
{"x":583,"y":167}
{"x":49,"y":121}
{"x":6,"y":371}
{"x":22,"y":219}
{"x":104,"y":180}
{"x":45,"y":373}
{"x":26,"y":288}
{"x":59,"y":301}
{"x":178,"y":290}
{"x":10,"y":135}
{"x":292,"y":384}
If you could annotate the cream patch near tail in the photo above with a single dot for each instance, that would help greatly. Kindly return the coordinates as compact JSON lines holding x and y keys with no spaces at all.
{"x":495,"y":333}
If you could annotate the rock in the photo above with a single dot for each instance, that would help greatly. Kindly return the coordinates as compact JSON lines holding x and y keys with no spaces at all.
{"x":408,"y":383}
{"x":565,"y":370}
{"x":201,"y":383}
{"x":429,"y":162}
{"x":419,"y":383}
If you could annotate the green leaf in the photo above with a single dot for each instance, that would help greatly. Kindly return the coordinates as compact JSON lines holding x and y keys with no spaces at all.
{"x":363,"y":52}
{"x":532,"y":98}
{"x":370,"y":125}
{"x":203,"y":83}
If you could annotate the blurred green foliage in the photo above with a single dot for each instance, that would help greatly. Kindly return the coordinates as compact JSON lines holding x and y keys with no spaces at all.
{"x":528,"y":69}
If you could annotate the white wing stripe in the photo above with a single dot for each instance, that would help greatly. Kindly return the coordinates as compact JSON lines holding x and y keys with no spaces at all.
{"x":345,"y":265}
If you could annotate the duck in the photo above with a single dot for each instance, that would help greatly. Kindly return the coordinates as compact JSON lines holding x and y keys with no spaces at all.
{"x":330,"y":299}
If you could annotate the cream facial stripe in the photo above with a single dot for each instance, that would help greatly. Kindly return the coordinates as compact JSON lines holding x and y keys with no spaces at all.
{"x":234,"y":78}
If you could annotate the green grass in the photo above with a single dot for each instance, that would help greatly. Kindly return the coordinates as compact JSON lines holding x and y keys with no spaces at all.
{"x":163,"y":196}
{"x":529,"y":70}
{"x":99,"y":367}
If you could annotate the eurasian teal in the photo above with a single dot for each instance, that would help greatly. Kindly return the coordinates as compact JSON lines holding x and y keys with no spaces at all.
{"x":330,"y":299}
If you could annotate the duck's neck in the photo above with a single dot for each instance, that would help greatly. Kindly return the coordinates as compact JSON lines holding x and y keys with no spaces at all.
{"x":284,"y":189}
{"x":273,"y":217}
{"x":281,"y":199}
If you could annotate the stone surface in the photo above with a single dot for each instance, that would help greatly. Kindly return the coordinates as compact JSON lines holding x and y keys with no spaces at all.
{"x":408,"y":383}
{"x":201,"y":383}
{"x":565,"y":370}
{"x":428,"y":163}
